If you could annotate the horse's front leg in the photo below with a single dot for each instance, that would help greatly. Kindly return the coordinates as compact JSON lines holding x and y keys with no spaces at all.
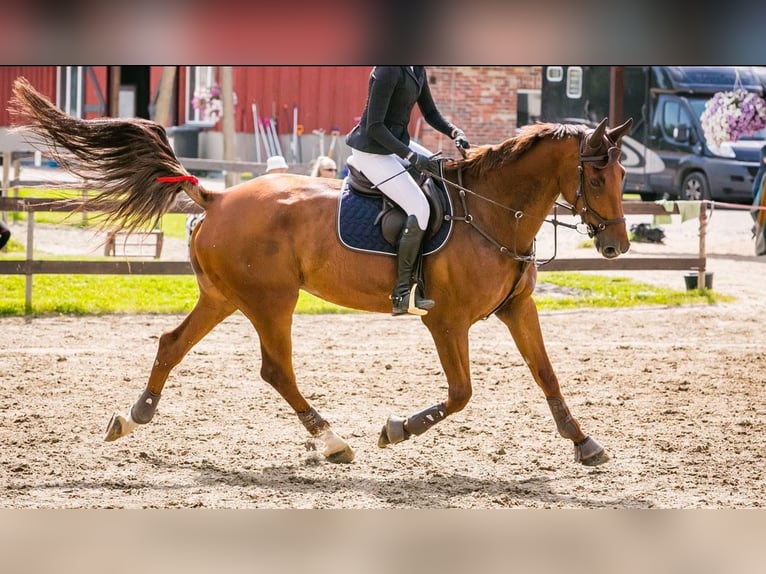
{"x":520,"y":315}
{"x":173,"y":346}
{"x":452,"y":346}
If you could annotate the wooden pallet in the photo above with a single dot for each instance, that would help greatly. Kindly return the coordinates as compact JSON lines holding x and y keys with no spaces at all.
{"x":134,"y":244}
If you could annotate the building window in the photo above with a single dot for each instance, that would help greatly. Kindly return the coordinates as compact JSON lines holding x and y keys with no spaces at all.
{"x":197,"y":77}
{"x":527,"y":107}
{"x":70,"y":90}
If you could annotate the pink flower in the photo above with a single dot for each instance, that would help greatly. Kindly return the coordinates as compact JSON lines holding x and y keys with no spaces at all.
{"x":207,"y":100}
{"x":729,"y":116}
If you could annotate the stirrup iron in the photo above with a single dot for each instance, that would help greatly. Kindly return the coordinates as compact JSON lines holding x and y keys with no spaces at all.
{"x":415,"y":305}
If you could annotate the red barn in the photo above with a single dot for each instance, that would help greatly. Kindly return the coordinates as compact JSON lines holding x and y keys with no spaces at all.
{"x":487,"y":102}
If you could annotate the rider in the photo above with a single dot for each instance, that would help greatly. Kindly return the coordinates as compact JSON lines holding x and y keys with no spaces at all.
{"x":381,"y":149}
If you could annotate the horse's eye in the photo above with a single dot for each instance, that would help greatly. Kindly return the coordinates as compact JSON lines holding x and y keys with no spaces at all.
{"x":596,"y":182}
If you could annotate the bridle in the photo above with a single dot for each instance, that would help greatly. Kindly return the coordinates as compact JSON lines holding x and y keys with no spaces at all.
{"x":611,"y":156}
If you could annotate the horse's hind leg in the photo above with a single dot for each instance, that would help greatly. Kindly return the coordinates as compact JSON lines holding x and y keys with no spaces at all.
{"x":273,"y":323}
{"x":173,"y":346}
{"x":520,"y":315}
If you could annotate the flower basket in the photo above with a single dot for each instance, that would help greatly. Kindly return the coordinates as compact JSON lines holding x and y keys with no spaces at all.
{"x":728,"y":116}
{"x":207,"y":100}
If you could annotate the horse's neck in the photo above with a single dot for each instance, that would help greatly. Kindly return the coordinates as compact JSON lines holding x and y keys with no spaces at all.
{"x":521,"y":194}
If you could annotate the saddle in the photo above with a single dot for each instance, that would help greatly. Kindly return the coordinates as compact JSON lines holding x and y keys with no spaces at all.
{"x":391,"y":217}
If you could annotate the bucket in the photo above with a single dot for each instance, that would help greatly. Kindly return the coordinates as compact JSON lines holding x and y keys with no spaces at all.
{"x":691,"y":280}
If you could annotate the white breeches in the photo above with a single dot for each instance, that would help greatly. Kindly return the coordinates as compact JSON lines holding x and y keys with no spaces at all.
{"x":389,"y":174}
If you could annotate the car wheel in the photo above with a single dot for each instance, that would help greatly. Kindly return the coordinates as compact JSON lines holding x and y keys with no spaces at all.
{"x":695,"y":187}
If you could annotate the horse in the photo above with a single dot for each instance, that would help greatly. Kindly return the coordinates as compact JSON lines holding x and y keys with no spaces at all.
{"x":264,"y":240}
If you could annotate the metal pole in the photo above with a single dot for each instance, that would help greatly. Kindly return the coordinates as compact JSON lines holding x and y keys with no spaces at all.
{"x":272,"y":126}
{"x":263,"y":137}
{"x":272,"y":149}
{"x":255,"y":130}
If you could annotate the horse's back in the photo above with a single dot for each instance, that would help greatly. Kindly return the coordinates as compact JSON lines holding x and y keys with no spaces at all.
{"x":282,"y":203}
{"x":279,"y":234}
{"x":272,"y":214}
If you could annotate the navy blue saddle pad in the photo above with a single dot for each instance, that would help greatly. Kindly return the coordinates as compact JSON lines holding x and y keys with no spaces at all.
{"x":357,"y":229}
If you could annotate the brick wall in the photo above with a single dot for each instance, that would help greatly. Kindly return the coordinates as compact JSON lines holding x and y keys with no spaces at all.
{"x":481,"y":100}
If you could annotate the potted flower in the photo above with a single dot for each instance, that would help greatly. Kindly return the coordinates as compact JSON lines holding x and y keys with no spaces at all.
{"x":207,"y":100}
{"x":731,"y":115}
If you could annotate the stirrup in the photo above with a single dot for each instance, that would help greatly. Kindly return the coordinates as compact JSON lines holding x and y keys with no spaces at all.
{"x":415,"y":306}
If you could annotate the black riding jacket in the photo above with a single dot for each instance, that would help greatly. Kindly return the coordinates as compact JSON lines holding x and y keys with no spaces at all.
{"x":393,"y":92}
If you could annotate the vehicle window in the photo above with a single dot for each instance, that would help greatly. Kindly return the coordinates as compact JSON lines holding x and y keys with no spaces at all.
{"x":670,"y":117}
{"x":673,"y":115}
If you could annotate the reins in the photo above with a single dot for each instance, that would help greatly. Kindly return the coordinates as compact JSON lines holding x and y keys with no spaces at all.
{"x":611,"y":156}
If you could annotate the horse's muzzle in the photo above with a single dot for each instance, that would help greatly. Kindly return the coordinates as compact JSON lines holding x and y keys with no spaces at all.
{"x":611,"y":248}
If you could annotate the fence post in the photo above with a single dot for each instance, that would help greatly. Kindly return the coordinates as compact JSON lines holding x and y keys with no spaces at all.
{"x":30,"y":256}
{"x":701,"y":272}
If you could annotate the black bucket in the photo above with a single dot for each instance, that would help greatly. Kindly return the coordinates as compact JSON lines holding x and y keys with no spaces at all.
{"x":691,"y":280}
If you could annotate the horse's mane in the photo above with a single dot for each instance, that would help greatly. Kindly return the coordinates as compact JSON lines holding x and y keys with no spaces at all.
{"x":489,"y":157}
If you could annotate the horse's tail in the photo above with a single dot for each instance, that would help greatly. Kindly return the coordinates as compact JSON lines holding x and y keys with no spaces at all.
{"x":129,"y":163}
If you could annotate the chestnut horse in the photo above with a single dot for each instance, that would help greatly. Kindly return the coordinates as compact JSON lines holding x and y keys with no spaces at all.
{"x":264,"y":240}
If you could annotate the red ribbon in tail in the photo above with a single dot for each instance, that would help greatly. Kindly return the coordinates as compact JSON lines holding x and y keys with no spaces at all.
{"x":177,"y":178}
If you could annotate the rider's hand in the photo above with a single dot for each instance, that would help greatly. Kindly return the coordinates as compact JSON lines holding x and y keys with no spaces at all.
{"x":423,"y":163}
{"x":460,"y":140}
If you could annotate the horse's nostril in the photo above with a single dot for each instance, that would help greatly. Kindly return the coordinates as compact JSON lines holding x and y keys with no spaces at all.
{"x":610,"y":252}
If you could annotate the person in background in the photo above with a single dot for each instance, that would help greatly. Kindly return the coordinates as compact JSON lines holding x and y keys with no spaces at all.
{"x":276,"y":164}
{"x":5,"y":234}
{"x":758,"y":179}
{"x":381,"y":149}
{"x":758,"y":211}
{"x":324,"y":166}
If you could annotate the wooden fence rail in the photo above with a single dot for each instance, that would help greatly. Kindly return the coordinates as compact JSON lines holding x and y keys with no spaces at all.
{"x":30,"y":266}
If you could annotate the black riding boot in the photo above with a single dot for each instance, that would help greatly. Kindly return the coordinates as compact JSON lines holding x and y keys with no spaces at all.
{"x":405,"y":296}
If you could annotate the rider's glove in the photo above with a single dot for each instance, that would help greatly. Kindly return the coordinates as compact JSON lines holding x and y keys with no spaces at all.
{"x":460,"y":140}
{"x":423,"y":163}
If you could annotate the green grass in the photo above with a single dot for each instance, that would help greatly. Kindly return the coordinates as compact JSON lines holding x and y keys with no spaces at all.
{"x":100,"y":294}
{"x":590,"y":290}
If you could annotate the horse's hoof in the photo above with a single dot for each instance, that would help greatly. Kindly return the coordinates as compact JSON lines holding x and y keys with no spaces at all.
{"x":342,"y":456}
{"x":383,"y":441}
{"x":596,"y":459}
{"x":115,"y":428}
{"x":392,"y":432}
{"x":590,"y":453}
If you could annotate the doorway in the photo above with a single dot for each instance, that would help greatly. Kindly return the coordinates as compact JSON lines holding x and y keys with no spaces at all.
{"x":134,"y":95}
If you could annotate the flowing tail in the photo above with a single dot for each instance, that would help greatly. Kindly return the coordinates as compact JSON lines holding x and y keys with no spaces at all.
{"x":128,"y":163}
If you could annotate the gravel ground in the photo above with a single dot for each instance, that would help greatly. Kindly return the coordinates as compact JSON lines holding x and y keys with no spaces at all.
{"x":675,"y":395}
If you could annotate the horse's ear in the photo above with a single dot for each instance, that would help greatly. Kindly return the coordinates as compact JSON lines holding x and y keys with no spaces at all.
{"x":596,"y":138}
{"x":616,"y":134}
